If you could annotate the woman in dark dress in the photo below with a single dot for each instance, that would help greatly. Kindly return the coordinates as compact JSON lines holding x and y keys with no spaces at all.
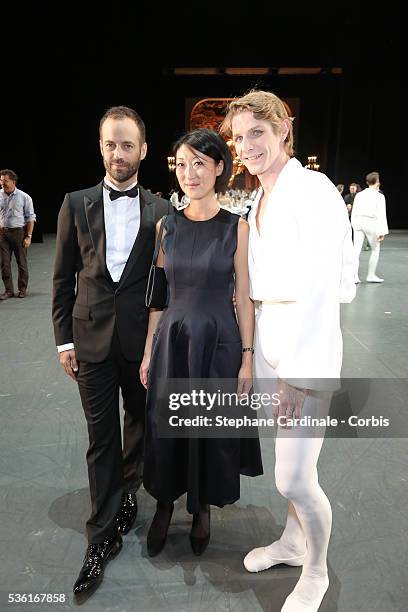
{"x":204,"y":253}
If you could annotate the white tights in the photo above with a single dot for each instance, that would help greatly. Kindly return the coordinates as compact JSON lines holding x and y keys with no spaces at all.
{"x":305,"y":538}
{"x":375,"y":250}
{"x":306,"y":535}
{"x":309,"y":520}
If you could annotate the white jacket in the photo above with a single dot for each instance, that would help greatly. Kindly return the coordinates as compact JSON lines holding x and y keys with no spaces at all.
{"x":305,"y":254}
{"x":369,"y":211}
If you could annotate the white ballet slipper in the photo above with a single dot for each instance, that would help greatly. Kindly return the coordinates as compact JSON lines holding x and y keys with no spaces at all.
{"x":260,"y":559}
{"x":373,"y":278}
{"x":306,"y":597}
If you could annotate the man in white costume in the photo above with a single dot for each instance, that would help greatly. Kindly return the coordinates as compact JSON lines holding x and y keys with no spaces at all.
{"x":369,"y":218}
{"x":301,"y":264}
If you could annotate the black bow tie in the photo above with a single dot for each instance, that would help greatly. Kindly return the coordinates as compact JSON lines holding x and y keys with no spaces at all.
{"x":114,"y":194}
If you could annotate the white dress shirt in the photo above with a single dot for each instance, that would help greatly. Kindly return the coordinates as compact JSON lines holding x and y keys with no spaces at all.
{"x":369,"y":208}
{"x":304,"y":254}
{"x":122,"y":223}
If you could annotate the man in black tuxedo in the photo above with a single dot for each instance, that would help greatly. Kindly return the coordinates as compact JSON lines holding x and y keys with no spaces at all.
{"x":105,"y":243}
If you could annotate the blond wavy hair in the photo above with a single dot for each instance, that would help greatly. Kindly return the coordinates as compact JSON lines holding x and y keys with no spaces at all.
{"x":265,"y":106}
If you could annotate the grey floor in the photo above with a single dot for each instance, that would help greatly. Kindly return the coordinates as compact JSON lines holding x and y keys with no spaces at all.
{"x":44,"y":497}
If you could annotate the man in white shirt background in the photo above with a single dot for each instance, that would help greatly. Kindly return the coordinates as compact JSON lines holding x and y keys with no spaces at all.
{"x":17,"y":218}
{"x":369,"y":218}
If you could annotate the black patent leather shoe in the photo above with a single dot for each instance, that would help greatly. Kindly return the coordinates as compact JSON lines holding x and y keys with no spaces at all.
{"x":95,"y":560}
{"x":199,"y":543}
{"x":157,"y":535}
{"x":127,"y":513}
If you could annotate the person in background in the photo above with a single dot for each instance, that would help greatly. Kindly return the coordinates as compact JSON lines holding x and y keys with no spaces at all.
{"x":369,"y":219}
{"x":349,"y":197}
{"x":17,"y":218}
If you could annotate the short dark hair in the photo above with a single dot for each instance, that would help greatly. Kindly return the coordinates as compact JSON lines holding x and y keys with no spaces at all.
{"x":10,"y":173}
{"x":212,"y":144}
{"x":121,"y":112}
{"x":372,"y":178}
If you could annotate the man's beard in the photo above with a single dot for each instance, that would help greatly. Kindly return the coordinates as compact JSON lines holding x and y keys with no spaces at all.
{"x":124,"y":172}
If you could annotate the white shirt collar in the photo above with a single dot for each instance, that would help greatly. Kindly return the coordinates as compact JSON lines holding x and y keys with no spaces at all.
{"x":116,"y":188}
{"x":8,"y":195}
{"x":291,"y":165}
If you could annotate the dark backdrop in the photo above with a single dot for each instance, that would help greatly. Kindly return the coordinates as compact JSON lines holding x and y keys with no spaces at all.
{"x":62,"y":72}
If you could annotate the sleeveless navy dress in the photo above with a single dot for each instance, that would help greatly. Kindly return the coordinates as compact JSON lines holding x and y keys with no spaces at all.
{"x":197,"y":337}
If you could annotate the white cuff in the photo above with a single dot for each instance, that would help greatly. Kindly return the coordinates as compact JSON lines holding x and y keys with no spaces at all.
{"x":65,"y":347}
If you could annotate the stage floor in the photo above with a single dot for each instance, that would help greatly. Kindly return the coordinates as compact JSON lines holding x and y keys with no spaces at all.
{"x":44,"y":494}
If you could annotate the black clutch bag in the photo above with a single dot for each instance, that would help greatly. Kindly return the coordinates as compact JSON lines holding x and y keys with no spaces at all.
{"x":156,"y":292}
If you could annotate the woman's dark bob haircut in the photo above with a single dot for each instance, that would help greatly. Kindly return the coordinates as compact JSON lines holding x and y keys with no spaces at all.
{"x":211,"y":144}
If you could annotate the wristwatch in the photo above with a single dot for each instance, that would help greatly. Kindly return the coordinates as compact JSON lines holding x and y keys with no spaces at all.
{"x":29,"y":236}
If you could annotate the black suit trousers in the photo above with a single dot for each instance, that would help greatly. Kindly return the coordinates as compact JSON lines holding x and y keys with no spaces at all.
{"x":112,"y":470}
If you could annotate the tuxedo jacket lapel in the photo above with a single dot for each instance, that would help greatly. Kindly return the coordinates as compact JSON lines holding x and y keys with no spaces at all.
{"x":93,"y":204}
{"x":146,"y":221}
